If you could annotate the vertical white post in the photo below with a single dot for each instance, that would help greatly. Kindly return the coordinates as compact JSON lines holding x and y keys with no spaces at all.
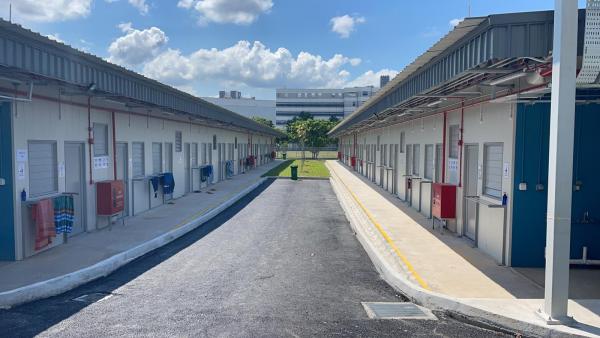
{"x":560,"y":172}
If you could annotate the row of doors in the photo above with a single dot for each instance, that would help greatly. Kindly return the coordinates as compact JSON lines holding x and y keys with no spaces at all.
{"x":75,"y":173}
{"x":389,"y":154}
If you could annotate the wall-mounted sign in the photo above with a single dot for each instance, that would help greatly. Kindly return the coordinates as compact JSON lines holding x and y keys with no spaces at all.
{"x":20,"y":171}
{"x":61,"y":169}
{"x":452,"y":164}
{"x":21,"y":155}
{"x":101,"y":162}
{"x":506,"y":170}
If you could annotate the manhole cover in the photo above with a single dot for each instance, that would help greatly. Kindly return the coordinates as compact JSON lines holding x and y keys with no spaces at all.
{"x":93,"y":297}
{"x":400,"y":310}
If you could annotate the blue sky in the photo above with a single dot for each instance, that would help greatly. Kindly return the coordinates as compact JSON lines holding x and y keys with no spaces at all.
{"x":198,"y":45}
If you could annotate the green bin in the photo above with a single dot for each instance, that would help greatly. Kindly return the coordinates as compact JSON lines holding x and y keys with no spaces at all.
{"x":294,"y":169}
{"x":284,"y":155}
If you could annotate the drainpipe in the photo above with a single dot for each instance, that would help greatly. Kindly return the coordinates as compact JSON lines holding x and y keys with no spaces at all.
{"x":90,"y":138}
{"x":460,"y":142}
{"x":114,"y":144}
{"x":444,"y":149}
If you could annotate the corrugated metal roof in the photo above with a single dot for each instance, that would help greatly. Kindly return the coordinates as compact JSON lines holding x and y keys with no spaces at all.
{"x":459,"y":31}
{"x":473,"y":44}
{"x":27,"y":52}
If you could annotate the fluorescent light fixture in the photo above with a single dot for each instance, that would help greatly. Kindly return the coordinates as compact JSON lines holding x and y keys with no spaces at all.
{"x":405,"y":114}
{"x":435,"y":103}
{"x":168,"y":113}
{"x":91,"y":87}
{"x":508,"y":78}
{"x":114,"y":101}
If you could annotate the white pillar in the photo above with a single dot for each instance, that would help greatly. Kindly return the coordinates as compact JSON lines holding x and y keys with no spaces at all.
{"x":560,"y":172}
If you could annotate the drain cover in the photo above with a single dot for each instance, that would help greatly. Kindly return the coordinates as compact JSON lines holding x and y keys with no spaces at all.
{"x":400,"y":310}
{"x":93,"y":297}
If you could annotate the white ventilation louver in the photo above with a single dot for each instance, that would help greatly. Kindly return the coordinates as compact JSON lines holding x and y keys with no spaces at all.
{"x":590,"y":67}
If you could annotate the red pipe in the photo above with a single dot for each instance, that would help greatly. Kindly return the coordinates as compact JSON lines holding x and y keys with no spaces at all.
{"x":90,"y":138}
{"x":444,"y":150}
{"x":460,"y":143}
{"x":114,"y":144}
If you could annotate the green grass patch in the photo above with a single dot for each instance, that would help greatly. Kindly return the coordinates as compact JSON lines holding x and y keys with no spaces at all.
{"x":307,"y":168}
{"x":330,"y":155}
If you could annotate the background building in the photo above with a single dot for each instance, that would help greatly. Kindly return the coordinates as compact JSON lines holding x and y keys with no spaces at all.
{"x":246,"y":106}
{"x":321,"y":103}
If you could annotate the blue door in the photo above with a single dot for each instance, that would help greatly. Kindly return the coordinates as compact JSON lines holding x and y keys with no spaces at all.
{"x":7,"y":229}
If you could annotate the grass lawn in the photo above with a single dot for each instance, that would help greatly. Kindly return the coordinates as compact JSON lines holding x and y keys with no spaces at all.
{"x":307,"y":168}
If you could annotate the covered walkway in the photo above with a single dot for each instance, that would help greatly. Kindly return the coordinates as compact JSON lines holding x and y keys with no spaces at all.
{"x":90,"y":248}
{"x":443,"y":263}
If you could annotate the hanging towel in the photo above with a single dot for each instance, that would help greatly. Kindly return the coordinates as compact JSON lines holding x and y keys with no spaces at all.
{"x":155,"y":180}
{"x":64,"y":214}
{"x":229,"y":168}
{"x":42,"y":214}
{"x":203,"y":175}
{"x":168,"y":183}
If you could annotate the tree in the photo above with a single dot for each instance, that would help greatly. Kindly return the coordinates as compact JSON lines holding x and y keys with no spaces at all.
{"x":264,"y":121}
{"x":311,"y":133}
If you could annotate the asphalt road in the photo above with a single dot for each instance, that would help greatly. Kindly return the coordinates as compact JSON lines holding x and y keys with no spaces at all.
{"x":281,"y":262}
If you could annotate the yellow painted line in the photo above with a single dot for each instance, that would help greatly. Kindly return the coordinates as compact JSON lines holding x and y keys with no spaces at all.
{"x":387,"y":238}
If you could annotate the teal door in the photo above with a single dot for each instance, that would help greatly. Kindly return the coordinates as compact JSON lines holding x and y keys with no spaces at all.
{"x":7,"y":228}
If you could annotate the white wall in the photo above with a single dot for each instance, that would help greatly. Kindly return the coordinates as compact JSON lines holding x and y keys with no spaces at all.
{"x":44,"y":119}
{"x":495,"y":126}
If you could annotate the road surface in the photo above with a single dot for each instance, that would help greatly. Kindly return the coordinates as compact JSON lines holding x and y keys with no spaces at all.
{"x":283,"y":261}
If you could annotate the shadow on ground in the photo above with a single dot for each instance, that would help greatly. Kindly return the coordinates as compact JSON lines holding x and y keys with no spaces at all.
{"x":30,"y":319}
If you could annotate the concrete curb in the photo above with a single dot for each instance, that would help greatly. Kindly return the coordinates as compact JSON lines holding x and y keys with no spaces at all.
{"x":430,"y":299}
{"x":61,"y":284}
{"x":300,"y":178}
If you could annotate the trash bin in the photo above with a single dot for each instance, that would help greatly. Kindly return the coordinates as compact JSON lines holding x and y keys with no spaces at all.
{"x":284,"y":155}
{"x":294,"y":169}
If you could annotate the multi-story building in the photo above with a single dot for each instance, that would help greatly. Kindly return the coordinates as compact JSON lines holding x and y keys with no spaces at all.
{"x":320,"y":103}
{"x":245,"y":106}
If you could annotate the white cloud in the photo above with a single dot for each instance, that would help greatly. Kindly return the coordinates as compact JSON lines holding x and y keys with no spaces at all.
{"x":187,"y":4}
{"x":55,"y":37}
{"x":136,"y":46}
{"x":345,"y":24}
{"x":141,"y":6}
{"x":239,"y":12}
{"x":48,"y":10}
{"x":455,"y":22}
{"x":250,"y":64}
{"x":371,"y":78}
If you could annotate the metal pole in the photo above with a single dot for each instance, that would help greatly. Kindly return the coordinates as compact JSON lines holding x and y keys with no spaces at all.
{"x":560,"y":172}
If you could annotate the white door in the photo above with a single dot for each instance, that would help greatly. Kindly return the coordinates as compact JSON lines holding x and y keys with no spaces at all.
{"x":470,"y":189}
{"x":75,"y":182}
{"x":123,"y":172}
{"x":186,"y":167}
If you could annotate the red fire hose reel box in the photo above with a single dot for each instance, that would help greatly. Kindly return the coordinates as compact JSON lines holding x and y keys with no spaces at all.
{"x":339,"y":155}
{"x":110,"y":197}
{"x":353,"y":161}
{"x":443,"y":201}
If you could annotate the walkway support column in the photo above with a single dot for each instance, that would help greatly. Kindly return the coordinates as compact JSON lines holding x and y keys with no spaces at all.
{"x":560,"y":172}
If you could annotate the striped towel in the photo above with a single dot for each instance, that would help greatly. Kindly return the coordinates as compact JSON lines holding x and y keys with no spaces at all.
{"x":64,"y":214}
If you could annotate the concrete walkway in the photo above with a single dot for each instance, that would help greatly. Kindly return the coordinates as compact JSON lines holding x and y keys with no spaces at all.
{"x":88,"y":249}
{"x":442,"y":269}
